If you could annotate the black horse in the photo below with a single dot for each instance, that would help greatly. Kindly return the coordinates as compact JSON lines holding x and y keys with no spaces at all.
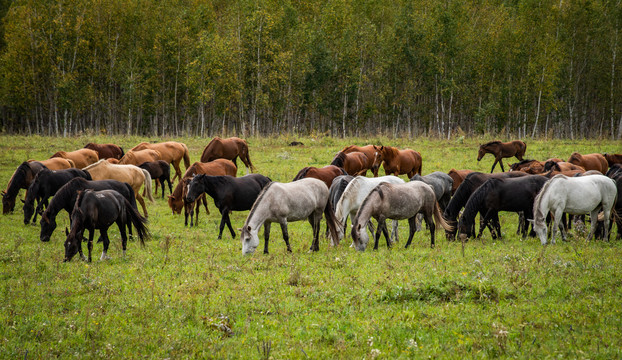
{"x":229,"y":193}
{"x":499,"y":194}
{"x":98,"y":210}
{"x":66,"y":196}
{"x":46,"y":184}
{"x":160,"y":171}
{"x":464,"y":191}
{"x":21,"y":179}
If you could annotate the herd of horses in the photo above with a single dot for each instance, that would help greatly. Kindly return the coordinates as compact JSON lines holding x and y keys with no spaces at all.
{"x":100,"y":185}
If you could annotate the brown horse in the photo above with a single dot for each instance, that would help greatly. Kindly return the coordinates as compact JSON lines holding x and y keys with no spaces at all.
{"x":398,"y":162}
{"x":229,"y":149}
{"x":130,"y":174}
{"x":502,"y":150}
{"x":354,"y":163}
{"x":613,"y":159}
{"x":138,"y":157}
{"x":561,"y":166}
{"x":113,"y":160}
{"x":172,"y":152}
{"x":326,"y":174}
{"x":21,"y":179}
{"x":594,"y":161}
{"x":56,"y":163}
{"x":81,"y":158}
{"x":106,"y":151}
{"x":532,"y":166}
{"x":373,"y":158}
{"x":458,"y":177}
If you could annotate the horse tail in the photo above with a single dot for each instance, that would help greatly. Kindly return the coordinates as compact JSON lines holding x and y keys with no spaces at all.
{"x":148,"y":185}
{"x":245,"y":157}
{"x":186,"y":156}
{"x":339,"y":159}
{"x":439,"y":219}
{"x":138,"y":221}
{"x":302,"y":173}
{"x":332,"y":222}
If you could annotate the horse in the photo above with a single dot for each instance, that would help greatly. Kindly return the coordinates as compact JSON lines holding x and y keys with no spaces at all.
{"x":106,"y":151}
{"x":560,"y":166}
{"x":130,"y":174}
{"x":65,"y":198}
{"x":353,"y":196}
{"x":21,"y":179}
{"x":46,"y":184}
{"x":81,"y":158}
{"x":397,"y":202}
{"x":172,"y":152}
{"x":441,"y":183}
{"x":613,"y":159}
{"x":502,"y":150}
{"x":325,"y":174}
{"x":98,"y":210}
{"x":229,"y":194}
{"x":398,"y":162}
{"x":573,"y":195}
{"x":160,"y":171}
{"x":57,"y":163}
{"x":594,"y":161}
{"x":229,"y":149}
{"x":285,"y":202}
{"x":337,"y":188}
{"x":458,"y":177}
{"x":532,"y":166}
{"x":373,"y":157}
{"x":137,"y":157}
{"x":176,"y":199}
{"x":500,"y":194}
{"x":468,"y":186}
{"x":354,"y":163}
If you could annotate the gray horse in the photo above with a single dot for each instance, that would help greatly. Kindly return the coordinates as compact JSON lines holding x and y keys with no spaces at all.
{"x":441,"y":183}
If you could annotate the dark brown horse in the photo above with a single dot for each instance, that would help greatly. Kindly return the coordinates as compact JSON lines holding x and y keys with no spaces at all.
{"x":229,"y":149}
{"x":594,"y":161}
{"x":398,"y":162}
{"x":373,"y":158}
{"x":172,"y":152}
{"x":458,"y":177}
{"x":502,"y":150}
{"x":613,"y":159}
{"x":354,"y":163}
{"x":81,"y":158}
{"x":326,"y":174}
{"x":106,"y":151}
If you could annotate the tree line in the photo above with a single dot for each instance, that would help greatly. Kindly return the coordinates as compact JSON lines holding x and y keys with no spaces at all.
{"x":515,"y":68}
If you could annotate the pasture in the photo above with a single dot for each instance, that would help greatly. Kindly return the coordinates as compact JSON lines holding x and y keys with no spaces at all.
{"x":187,"y":295}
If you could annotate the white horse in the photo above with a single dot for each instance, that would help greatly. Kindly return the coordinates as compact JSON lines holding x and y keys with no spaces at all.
{"x":282,"y":202}
{"x":576,"y":196}
{"x":397,"y":202}
{"x":353,"y":196}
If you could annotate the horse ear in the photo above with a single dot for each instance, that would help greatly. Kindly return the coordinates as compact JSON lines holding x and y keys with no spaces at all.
{"x":22,"y":200}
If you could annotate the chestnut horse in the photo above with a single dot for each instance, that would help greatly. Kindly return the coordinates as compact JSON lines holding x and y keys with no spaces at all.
{"x":106,"y":151}
{"x":502,"y":150}
{"x":326,"y":174}
{"x":458,"y":177}
{"x":613,"y":159}
{"x":172,"y":152}
{"x":398,"y":162}
{"x":137,"y":157}
{"x":229,"y":149}
{"x":373,"y":158}
{"x":354,"y":163}
{"x":131,"y":174}
{"x":594,"y":161}
{"x":81,"y":158}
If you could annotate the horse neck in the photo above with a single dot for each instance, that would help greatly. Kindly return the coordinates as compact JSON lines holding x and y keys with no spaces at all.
{"x":459,"y":200}
{"x":257,"y":216}
{"x":14,"y":183}
{"x":61,"y":200}
{"x":473,"y":206}
{"x":364,"y":213}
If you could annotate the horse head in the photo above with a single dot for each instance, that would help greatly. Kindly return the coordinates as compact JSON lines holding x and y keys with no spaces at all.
{"x":47,"y":227}
{"x":250,"y":240}
{"x":481,"y":152}
{"x":360,"y":238}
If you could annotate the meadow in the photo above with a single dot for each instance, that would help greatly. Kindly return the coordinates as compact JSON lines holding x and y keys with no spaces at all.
{"x":187,"y":295}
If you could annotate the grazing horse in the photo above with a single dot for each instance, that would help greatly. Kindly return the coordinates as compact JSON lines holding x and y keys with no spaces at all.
{"x":441,"y":183}
{"x":398,"y":162}
{"x":130,"y":174}
{"x":160,"y":171}
{"x":397,"y":202}
{"x":65,"y":198}
{"x":594,"y":161}
{"x":613,"y":159}
{"x":325,"y":174}
{"x":229,"y":194}
{"x":21,"y":179}
{"x":354,"y":163}
{"x":137,"y":157}
{"x":353,"y":196}
{"x":499,"y":194}
{"x":172,"y":152}
{"x":229,"y":149}
{"x":373,"y":157}
{"x":576,"y":196}
{"x":458,"y":177}
{"x":284,"y":202}
{"x":46,"y":184}
{"x":98,"y":210}
{"x":106,"y":151}
{"x":81,"y":158}
{"x":502,"y":150}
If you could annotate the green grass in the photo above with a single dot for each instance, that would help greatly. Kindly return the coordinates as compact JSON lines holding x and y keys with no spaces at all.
{"x":188,"y":295}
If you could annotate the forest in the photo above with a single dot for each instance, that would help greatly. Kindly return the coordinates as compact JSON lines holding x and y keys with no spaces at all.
{"x":400,"y":68}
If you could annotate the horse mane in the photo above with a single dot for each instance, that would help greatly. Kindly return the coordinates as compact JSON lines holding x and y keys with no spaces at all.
{"x":523,"y":162}
{"x":494,"y":142}
{"x":95,"y":164}
{"x":302,"y":173}
{"x":339,"y":159}
{"x":392,"y":150}
{"x":460,"y":198}
{"x":21,"y":169}
{"x":259,"y":198}
{"x":377,"y":189}
{"x":538,"y":215}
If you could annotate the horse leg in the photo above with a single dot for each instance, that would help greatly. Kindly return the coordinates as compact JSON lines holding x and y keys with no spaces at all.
{"x":557,"y":224}
{"x":228,"y":220}
{"x":381,"y":223}
{"x":141,"y":201}
{"x":266,"y":236}
{"x":501,"y":164}
{"x":394,"y":234}
{"x":315,"y":225}
{"x":90,"y":243}
{"x":429,"y":223}
{"x":177,"y":170}
{"x":385,"y":231}
{"x":412,"y":227}
{"x":104,"y":236}
{"x":285,"y":234}
{"x":170,"y":187}
{"x":197,"y":209}
{"x":121,"y":226}
{"x":594,"y":223}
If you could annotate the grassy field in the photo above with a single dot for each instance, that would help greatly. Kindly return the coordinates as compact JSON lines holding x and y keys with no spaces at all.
{"x":188,"y":295}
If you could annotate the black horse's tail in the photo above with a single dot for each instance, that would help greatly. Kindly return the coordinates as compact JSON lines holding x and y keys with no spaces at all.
{"x":139,"y":222}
